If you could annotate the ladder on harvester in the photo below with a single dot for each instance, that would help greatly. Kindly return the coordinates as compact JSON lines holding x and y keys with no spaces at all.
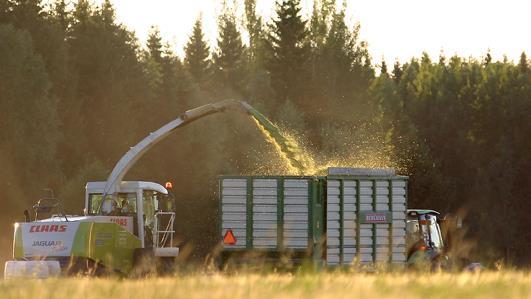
{"x":163,"y":236}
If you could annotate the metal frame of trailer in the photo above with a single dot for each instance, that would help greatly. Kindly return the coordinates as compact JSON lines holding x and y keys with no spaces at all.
{"x":269,"y":215}
{"x":319,"y":217}
{"x":351,"y":238}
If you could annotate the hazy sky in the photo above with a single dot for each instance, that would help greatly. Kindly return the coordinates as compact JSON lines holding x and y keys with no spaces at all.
{"x":394,"y":29}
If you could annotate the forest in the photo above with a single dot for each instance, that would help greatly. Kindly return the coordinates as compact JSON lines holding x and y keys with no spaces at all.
{"x":77,"y":89}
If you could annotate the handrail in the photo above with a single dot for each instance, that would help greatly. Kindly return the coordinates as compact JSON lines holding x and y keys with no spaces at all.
{"x":168,"y":230}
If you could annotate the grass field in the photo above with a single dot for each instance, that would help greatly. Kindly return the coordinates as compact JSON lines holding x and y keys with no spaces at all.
{"x":328,"y":285}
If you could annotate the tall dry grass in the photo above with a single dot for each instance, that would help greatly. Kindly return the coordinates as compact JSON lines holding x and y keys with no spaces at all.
{"x":324,"y":285}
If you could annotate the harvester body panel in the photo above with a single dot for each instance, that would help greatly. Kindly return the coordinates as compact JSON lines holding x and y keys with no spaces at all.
{"x":106,"y":243}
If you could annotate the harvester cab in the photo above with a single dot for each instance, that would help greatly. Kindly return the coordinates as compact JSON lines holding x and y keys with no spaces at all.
{"x":142,"y":207}
{"x":424,"y":239}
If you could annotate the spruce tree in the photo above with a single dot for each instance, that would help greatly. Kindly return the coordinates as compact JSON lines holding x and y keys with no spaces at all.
{"x":523,"y":64}
{"x":257,"y":80}
{"x":28,"y":117}
{"x":289,"y":51}
{"x":62,"y":15}
{"x":4,"y":14}
{"x":397,"y":72}
{"x":488,"y":58}
{"x":108,"y":81}
{"x":26,"y":13}
{"x":82,"y":11}
{"x":320,"y":22}
{"x":197,"y":53}
{"x":383,"y":68}
{"x":229,"y":57}
{"x":107,"y":13}
{"x":343,"y":74}
{"x":253,"y":24}
{"x":154,"y":44}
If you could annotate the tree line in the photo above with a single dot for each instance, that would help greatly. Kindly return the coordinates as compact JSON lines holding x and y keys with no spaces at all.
{"x":77,"y":89}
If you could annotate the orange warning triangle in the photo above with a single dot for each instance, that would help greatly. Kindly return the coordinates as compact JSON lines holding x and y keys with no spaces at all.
{"x":229,"y":238}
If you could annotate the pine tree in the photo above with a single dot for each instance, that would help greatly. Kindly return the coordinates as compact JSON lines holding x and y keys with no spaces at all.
{"x":197,"y":53}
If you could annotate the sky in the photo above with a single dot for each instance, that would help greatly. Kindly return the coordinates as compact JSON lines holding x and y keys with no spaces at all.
{"x":394,"y":30}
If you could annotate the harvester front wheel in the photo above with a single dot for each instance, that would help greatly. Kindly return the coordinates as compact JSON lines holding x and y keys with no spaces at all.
{"x":144,"y":262}
{"x":83,"y":266}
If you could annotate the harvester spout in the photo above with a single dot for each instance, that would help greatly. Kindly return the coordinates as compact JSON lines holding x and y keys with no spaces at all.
{"x":137,"y":151}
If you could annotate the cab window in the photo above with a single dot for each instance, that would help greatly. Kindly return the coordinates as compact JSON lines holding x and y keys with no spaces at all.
{"x":126,"y":203}
{"x":435,"y":234}
{"x":94,"y":203}
{"x":123,"y":204}
{"x":149,"y":206}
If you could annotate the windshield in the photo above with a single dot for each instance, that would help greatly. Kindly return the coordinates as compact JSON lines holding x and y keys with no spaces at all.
{"x":150,"y":206}
{"x":413,"y":235}
{"x":435,"y":233}
{"x":94,"y":203}
{"x":123,"y":204}
{"x":427,"y":231}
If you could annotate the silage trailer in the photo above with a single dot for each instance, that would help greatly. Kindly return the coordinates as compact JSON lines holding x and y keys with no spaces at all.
{"x":351,"y":216}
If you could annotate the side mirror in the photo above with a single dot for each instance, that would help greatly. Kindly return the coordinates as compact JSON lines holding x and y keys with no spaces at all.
{"x":45,"y":205}
{"x":458,"y":222}
{"x":455,"y":222}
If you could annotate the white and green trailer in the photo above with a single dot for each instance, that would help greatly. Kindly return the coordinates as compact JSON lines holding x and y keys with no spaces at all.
{"x":350,"y":216}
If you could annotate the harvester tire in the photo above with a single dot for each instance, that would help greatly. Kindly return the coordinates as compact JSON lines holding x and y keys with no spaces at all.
{"x":144,"y":261}
{"x":83,"y":266}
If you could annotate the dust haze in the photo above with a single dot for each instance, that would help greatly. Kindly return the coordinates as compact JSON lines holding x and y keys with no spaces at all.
{"x":78,"y":90}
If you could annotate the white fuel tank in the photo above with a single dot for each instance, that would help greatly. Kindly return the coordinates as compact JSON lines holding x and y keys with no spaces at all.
{"x":31,"y":269}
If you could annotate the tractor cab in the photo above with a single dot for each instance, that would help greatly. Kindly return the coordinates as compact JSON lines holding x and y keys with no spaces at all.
{"x":145,"y":207}
{"x":424,"y":239}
